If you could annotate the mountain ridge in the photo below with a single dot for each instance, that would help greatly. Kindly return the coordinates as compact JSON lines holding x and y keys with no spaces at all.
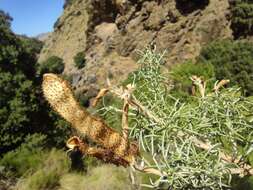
{"x":111,"y":32}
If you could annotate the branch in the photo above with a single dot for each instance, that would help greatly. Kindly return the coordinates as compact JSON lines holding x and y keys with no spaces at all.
{"x":100,"y":153}
{"x":148,"y":170}
{"x":198,"y":81}
{"x":101,"y":93}
{"x":245,"y":169}
{"x":220,"y":84}
{"x":125,"y":127}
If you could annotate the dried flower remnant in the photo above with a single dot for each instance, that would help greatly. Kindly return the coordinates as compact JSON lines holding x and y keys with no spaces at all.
{"x":60,"y":96}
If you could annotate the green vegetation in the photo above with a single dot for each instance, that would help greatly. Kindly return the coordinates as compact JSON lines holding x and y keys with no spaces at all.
{"x":5,"y":20}
{"x":23,"y":110}
{"x":221,"y":119}
{"x":29,"y":129}
{"x":79,"y":60}
{"x":53,"y":64}
{"x":38,"y":168}
{"x":112,"y":118}
{"x":32,"y":45}
{"x":181,"y":73}
{"x":25,"y":158}
{"x":232,"y":60}
{"x":242,"y":17}
{"x":18,"y":98}
{"x":57,"y":176}
{"x":48,"y":174}
{"x":105,"y":177}
{"x":218,"y":60}
{"x":31,"y":133}
{"x":83,"y":99}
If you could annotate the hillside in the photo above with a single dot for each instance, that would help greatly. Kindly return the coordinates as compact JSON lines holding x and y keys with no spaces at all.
{"x":110,"y":32}
{"x":182,"y":120}
{"x":43,"y":37}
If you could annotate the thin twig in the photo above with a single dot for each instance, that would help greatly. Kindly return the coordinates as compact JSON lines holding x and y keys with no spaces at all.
{"x":220,"y":84}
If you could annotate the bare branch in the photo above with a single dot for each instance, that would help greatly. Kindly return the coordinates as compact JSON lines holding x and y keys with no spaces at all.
{"x":200,"y":83}
{"x":101,"y":93}
{"x":220,"y":84}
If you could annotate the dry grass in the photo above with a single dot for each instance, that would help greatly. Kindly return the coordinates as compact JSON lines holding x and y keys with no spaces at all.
{"x":48,"y":174}
{"x":105,"y":177}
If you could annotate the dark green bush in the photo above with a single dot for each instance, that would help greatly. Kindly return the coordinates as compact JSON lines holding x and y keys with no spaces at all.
{"x":232,"y":60}
{"x":18,"y":94}
{"x":53,"y":64}
{"x":242,"y":17}
{"x":23,"y":109}
{"x":31,"y":44}
{"x":181,"y":74}
{"x":242,"y":183}
{"x":84,"y":96}
{"x":79,"y":60}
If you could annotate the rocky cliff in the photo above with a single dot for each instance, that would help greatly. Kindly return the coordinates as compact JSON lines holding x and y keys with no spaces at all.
{"x":110,"y":32}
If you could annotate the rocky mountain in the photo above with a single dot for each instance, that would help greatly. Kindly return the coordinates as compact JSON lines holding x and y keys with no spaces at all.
{"x":111,"y":31}
{"x":43,"y":37}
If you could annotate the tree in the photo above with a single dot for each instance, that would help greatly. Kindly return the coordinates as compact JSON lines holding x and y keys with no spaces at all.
{"x":79,"y":60}
{"x":242,"y":17}
{"x":23,"y":110}
{"x":5,"y":19}
{"x":53,"y":64}
{"x":17,"y":99}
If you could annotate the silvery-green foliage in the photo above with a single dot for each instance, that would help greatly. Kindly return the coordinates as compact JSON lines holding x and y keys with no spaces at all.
{"x":219,"y":119}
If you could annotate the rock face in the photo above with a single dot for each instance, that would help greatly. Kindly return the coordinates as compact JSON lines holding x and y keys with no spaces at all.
{"x":110,"y":32}
{"x":43,"y":37}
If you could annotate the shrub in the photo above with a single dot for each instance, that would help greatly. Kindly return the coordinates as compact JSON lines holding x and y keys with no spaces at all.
{"x":31,"y":44}
{"x":181,"y":73}
{"x":18,"y":95}
{"x":68,"y":78}
{"x":167,"y":139}
{"x":242,"y":18}
{"x":23,"y":109}
{"x":83,"y":98}
{"x":26,"y":158}
{"x":232,"y":60}
{"x":84,"y":101}
{"x":53,"y":64}
{"x":47,"y":176}
{"x":79,"y":60}
{"x":104,"y":177}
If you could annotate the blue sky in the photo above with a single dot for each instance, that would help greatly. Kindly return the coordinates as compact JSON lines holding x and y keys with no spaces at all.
{"x":32,"y":17}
